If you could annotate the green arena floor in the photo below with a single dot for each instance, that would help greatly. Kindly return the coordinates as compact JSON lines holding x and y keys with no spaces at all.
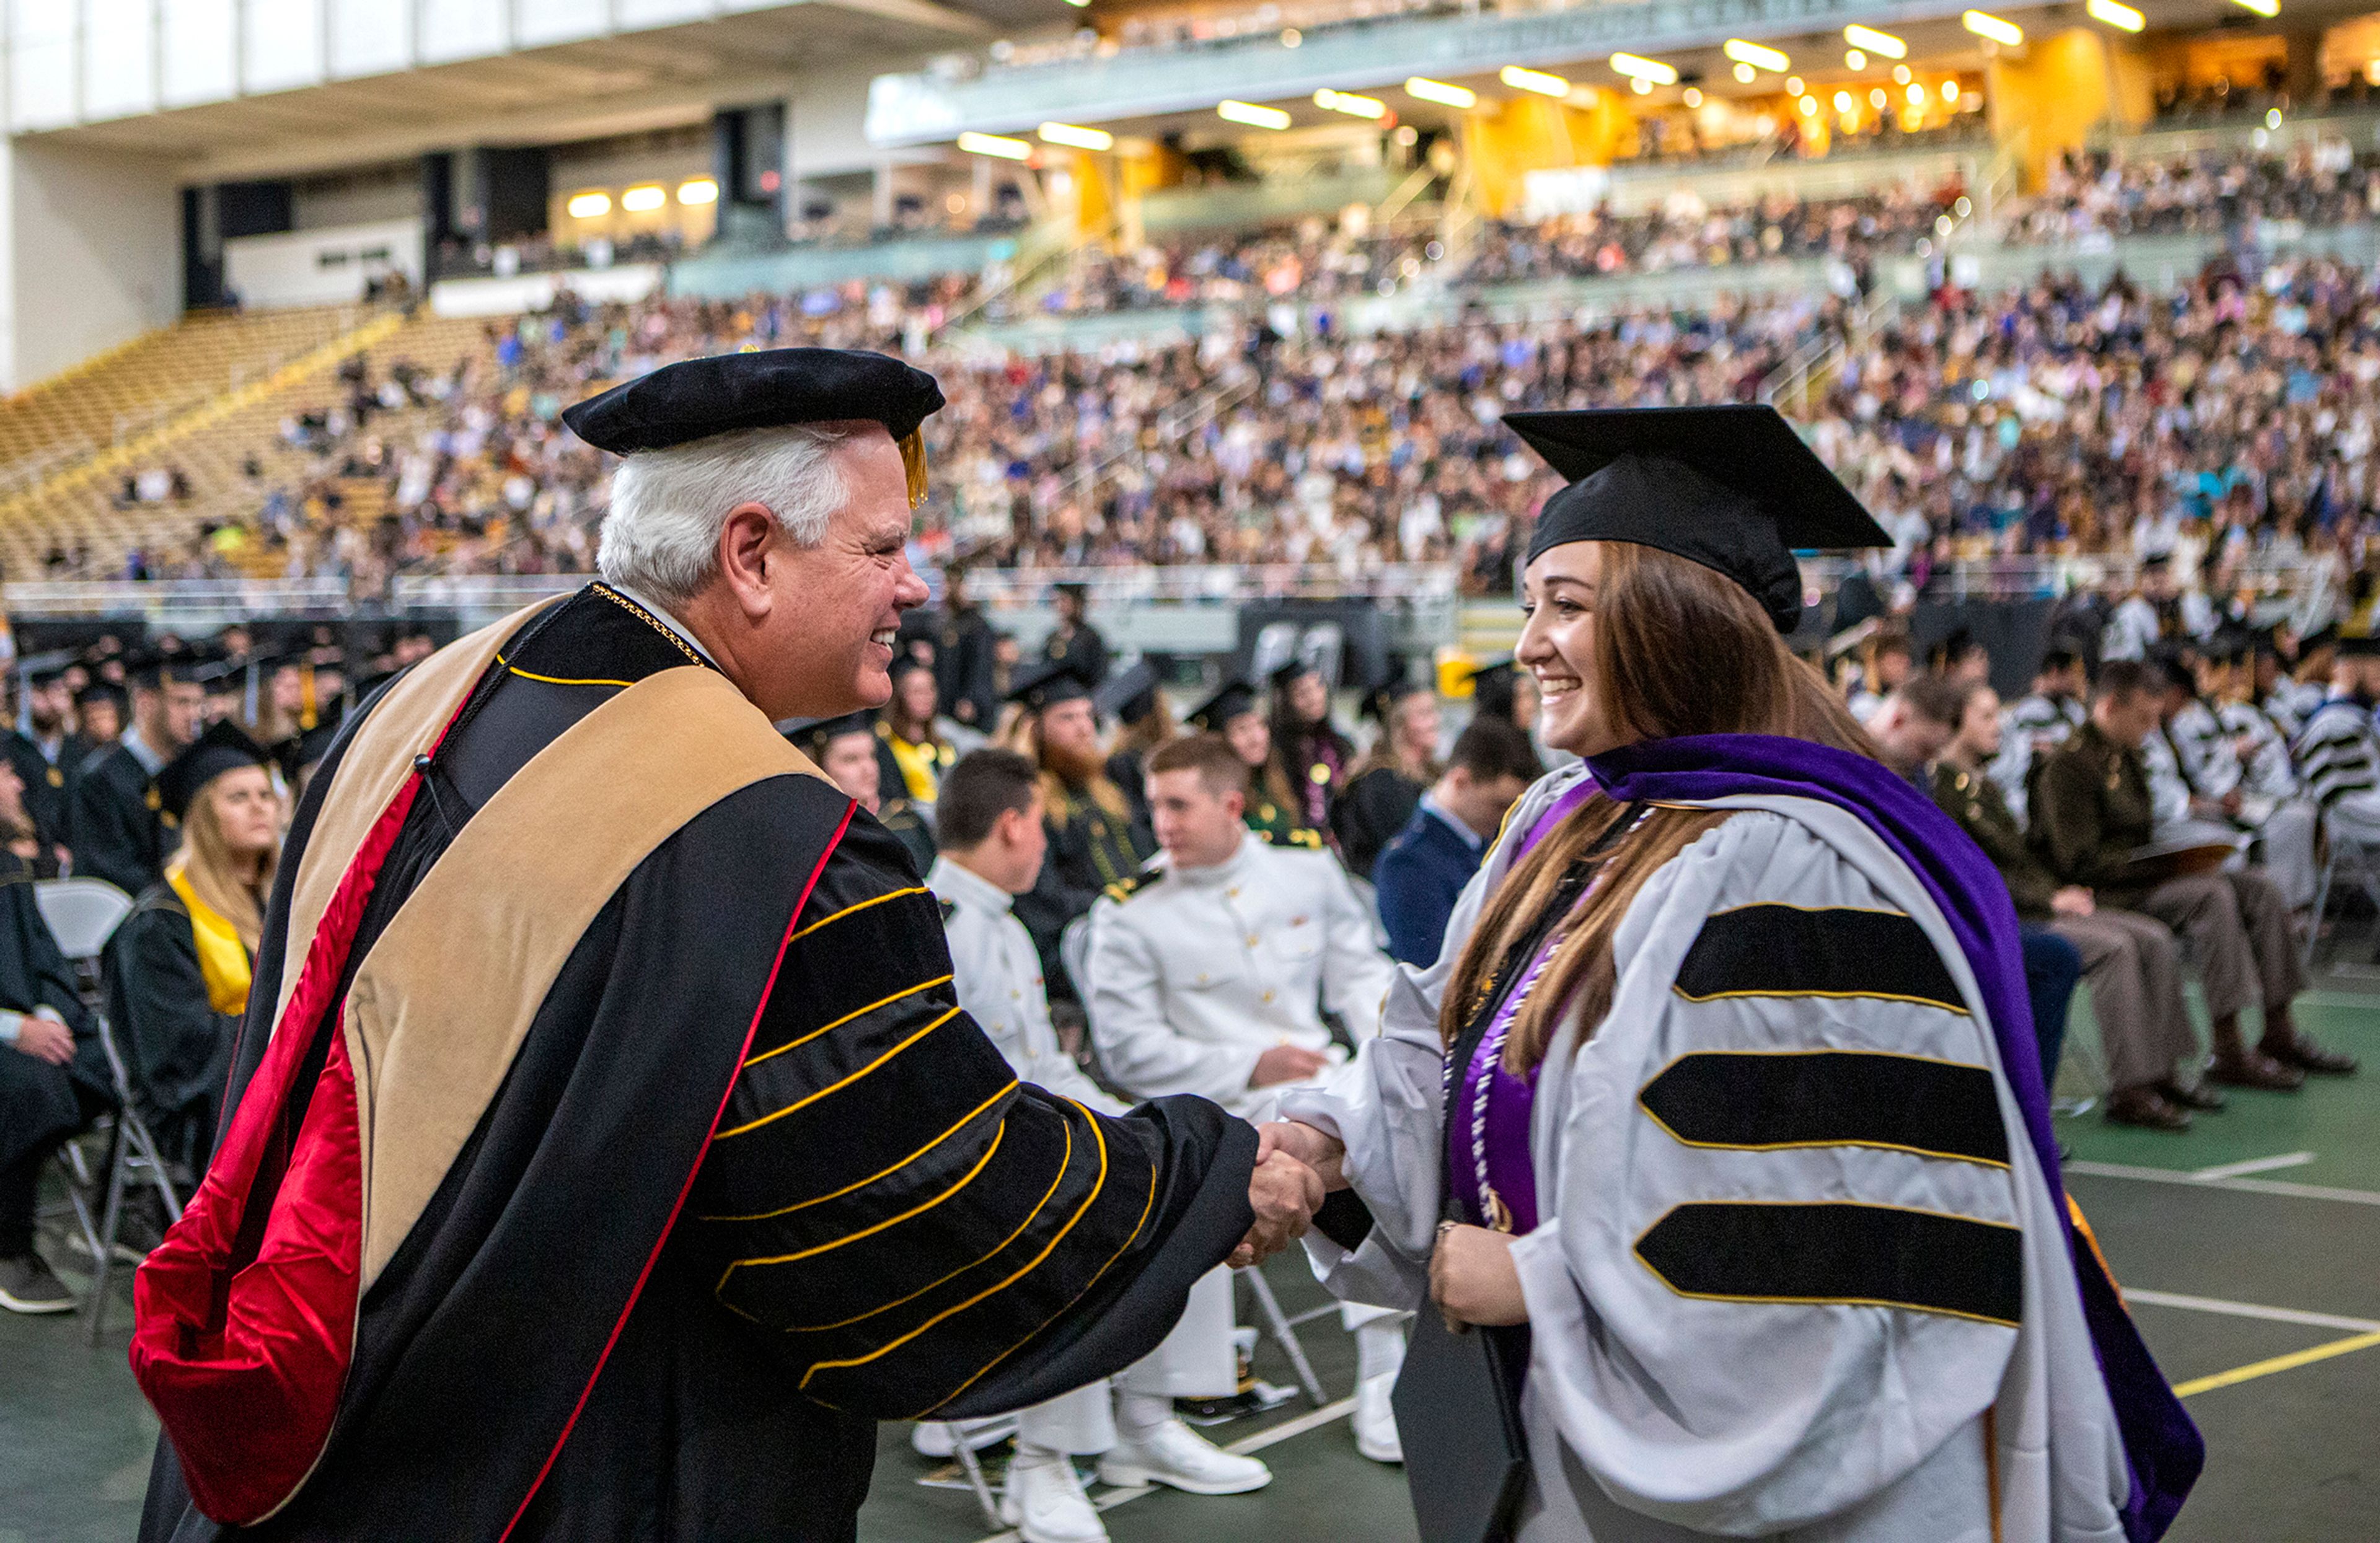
{"x":2249,"y":1250}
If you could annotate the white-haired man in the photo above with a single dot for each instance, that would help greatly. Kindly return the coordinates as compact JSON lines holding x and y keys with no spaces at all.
{"x":617,"y":1154}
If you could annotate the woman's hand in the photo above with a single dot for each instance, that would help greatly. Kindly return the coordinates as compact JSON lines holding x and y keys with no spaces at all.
{"x":1472,"y":1280}
{"x":1317,"y":1149}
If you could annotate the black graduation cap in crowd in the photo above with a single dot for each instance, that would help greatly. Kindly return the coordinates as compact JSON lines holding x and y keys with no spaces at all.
{"x":303,"y":750}
{"x":44,"y":668}
{"x":1283,"y":674}
{"x":1381,"y":701}
{"x":1044,"y":685}
{"x":1130,"y":694}
{"x":225,"y":746}
{"x":770,"y":388}
{"x":100,"y":691}
{"x":1231,"y":699}
{"x":905,"y":665}
{"x":1730,"y":487}
{"x":812,"y":738}
{"x":158,"y":666}
{"x":1494,"y":683}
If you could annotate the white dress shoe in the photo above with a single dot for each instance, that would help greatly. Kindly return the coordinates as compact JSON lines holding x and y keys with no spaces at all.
{"x":1044,"y":1501}
{"x":1375,"y":1419}
{"x":1180,"y":1458}
{"x":940,"y":1438}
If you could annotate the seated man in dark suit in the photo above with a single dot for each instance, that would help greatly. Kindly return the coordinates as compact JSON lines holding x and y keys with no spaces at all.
{"x":1426,"y":866}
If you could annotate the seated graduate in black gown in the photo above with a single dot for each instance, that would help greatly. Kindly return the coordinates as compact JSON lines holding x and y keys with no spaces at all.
{"x":179,"y":968}
{"x":1386,"y":787}
{"x":118,"y":827}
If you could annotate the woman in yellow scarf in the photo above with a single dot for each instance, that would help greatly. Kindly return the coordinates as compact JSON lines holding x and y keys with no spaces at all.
{"x":177,"y":969}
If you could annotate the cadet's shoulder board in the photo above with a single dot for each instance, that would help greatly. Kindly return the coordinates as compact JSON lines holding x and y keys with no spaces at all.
{"x":1124,"y":889}
{"x":1300,"y":836}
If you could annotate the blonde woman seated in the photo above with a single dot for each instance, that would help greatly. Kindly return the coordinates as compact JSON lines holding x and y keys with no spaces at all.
{"x":178,"y":968}
{"x":1723,"y":1086}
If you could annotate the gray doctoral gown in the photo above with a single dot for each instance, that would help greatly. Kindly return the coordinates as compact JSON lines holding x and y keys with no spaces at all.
{"x":1660,"y":1412}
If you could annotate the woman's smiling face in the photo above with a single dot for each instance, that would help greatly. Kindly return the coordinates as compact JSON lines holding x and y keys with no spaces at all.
{"x":1556,"y":648}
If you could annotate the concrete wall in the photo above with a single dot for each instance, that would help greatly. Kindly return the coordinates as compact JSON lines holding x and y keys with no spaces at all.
{"x":90,"y":255}
{"x":321,"y":267}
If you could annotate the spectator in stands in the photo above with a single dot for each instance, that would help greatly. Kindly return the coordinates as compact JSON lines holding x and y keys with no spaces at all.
{"x":1312,"y":750}
{"x":908,"y":724}
{"x":1273,"y":809}
{"x":2092,"y":814}
{"x":1422,"y":872}
{"x":845,"y":749}
{"x":118,"y":827}
{"x":1386,"y":787}
{"x":1913,"y":727}
{"x":54,"y":1077}
{"x":1889,"y":658}
{"x":177,"y":969}
{"x":1095,"y":841}
{"x":1075,"y":641}
{"x":2128,"y":959}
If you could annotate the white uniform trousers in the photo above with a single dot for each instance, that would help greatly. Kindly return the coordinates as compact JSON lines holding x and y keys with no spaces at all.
{"x":2286,"y":838}
{"x":1195,"y":1360}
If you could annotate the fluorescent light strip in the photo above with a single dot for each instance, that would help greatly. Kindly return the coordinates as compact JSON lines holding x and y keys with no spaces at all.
{"x":1637,"y":67}
{"x":1248,"y":113}
{"x":1871,"y":40}
{"x":994,"y":144}
{"x":1076,"y":138}
{"x":1440,"y":92}
{"x":1752,"y":54}
{"x":1985,"y":25}
{"x":2117,"y":15}
{"x":1536,"y":80}
{"x":2261,"y":8}
{"x":1352,"y":106}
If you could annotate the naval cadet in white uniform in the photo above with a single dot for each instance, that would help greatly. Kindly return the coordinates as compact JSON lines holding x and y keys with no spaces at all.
{"x":1208,"y":973}
{"x":989,"y":815}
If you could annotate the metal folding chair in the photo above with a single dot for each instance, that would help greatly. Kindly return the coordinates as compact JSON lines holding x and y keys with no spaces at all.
{"x":83,"y":914}
{"x":2344,"y":858}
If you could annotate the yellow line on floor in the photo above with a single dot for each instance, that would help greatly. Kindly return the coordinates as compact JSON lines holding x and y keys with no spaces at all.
{"x":2290,"y":1362}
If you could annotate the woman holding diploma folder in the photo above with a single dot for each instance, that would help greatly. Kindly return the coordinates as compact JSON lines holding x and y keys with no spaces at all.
{"x":1716,"y":1138}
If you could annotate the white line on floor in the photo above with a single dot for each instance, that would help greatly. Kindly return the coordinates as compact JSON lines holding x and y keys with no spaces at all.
{"x":2253,"y":1165}
{"x":2252,"y":1186}
{"x":2342,"y":998}
{"x":1107,"y":1499}
{"x":2251,"y":1310}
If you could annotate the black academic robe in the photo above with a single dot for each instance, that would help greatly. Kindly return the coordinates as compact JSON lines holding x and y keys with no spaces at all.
{"x":963,"y":668}
{"x":1083,"y":648}
{"x":48,"y":783}
{"x":1090,"y":847}
{"x":41,"y":1103}
{"x":118,"y":831}
{"x":178,"y":1048}
{"x":698,"y":1242}
{"x":1371,"y":810}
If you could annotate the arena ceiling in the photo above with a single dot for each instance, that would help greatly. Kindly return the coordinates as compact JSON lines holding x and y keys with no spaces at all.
{"x":621,"y":83}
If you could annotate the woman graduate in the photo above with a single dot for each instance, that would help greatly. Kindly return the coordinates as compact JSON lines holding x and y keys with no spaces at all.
{"x":1753,"y":1139}
{"x":177,"y":969}
{"x":1386,"y":787}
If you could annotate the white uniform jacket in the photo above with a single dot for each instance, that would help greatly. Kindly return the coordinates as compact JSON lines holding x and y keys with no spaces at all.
{"x":997,"y":975}
{"x":1676,"y":1391}
{"x":1195,"y":973}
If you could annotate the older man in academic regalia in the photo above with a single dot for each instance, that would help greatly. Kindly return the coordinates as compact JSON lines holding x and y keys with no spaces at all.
{"x":609,"y":1150}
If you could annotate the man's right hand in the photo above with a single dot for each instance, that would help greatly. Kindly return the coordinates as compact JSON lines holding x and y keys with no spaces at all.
{"x":46,"y":1039}
{"x":1319,"y":1150}
{"x":1285,"y":1193}
{"x":1286,"y":1064}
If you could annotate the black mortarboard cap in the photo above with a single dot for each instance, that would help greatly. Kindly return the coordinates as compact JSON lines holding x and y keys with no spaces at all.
{"x":812,"y":738}
{"x":44,"y":669}
{"x":1230,"y":700}
{"x":1730,"y":487}
{"x":303,"y":750}
{"x":1048,"y":683}
{"x":1129,"y":693}
{"x":1283,"y":674}
{"x":905,"y":664}
{"x":1494,"y":684}
{"x":100,"y":691}
{"x":1382,"y":700}
{"x":155,"y":666}
{"x":770,"y":388}
{"x":223,"y":747}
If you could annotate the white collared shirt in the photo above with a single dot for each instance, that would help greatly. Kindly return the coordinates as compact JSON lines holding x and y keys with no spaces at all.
{"x":996,"y":974}
{"x":1439,"y":811}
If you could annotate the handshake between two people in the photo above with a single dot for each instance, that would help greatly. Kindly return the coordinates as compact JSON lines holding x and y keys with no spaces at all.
{"x":1296,"y":1166}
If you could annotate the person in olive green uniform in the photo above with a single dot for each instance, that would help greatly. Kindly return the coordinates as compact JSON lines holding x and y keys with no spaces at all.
{"x":2130,"y":959}
{"x":1272,"y":811}
{"x":2092,"y":810}
{"x":1095,"y":838}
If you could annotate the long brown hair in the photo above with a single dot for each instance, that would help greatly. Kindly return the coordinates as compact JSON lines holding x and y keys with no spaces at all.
{"x":1678,"y":650}
{"x":206,"y":860}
